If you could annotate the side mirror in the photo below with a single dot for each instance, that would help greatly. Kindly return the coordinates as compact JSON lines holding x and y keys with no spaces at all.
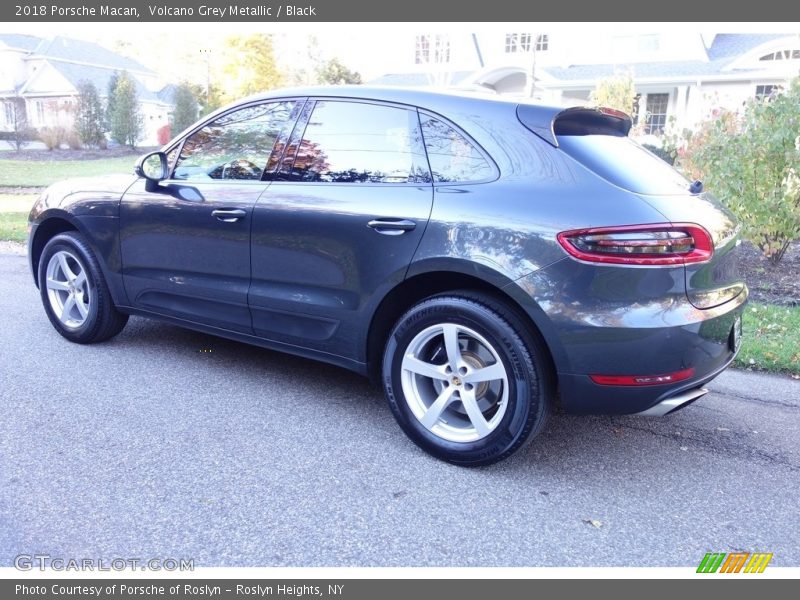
{"x":153,"y":167}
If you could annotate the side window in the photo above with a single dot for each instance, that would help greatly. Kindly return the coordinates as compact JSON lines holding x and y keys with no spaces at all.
{"x":453,"y":158}
{"x":236,"y":145}
{"x":352,"y":142}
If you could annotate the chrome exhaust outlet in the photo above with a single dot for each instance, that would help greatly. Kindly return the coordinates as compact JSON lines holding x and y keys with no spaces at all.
{"x":674,"y":403}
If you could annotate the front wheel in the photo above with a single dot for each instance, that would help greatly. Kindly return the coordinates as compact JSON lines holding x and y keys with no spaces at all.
{"x":465,"y":380}
{"x":74,"y":292}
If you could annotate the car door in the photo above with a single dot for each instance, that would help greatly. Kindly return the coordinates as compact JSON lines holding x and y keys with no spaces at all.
{"x":339,"y":225}
{"x":185,"y":244}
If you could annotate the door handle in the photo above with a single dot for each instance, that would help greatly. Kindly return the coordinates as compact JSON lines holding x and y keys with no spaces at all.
{"x":229,"y":215}
{"x":392,"y":226}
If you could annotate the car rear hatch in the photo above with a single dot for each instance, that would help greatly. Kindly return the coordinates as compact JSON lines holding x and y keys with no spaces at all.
{"x":598,"y":139}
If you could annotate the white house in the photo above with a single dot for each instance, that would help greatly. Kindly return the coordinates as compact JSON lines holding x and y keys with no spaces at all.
{"x":680,"y":75}
{"x":45,"y":74}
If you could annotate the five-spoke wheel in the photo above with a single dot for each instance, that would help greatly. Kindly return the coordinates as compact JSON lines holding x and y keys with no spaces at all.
{"x":466,"y":379}
{"x":74,"y":292}
{"x":454,"y":382}
{"x":67,"y":289}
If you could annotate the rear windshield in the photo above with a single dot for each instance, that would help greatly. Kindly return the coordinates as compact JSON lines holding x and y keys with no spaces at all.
{"x":624,"y":163}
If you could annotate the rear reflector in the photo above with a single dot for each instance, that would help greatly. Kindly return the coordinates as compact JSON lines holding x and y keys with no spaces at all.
{"x":643,"y":379}
{"x":652,"y":244}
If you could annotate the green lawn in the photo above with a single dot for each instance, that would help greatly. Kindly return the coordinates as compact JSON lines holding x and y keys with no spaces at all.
{"x":16,"y":202}
{"x":771,"y":340}
{"x":13,"y":226}
{"x":40,"y":173}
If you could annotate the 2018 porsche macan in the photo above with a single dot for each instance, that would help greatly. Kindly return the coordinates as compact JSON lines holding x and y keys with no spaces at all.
{"x":481,"y":258}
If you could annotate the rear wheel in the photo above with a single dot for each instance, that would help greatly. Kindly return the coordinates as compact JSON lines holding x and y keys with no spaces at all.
{"x":74,"y":292}
{"x":465,"y":379}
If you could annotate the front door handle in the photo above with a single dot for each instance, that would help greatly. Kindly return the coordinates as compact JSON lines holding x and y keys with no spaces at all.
{"x":229,"y":215}
{"x":392,"y":226}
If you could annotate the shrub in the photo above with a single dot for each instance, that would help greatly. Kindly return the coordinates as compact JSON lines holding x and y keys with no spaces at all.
{"x":73,"y":140}
{"x":27,"y":134}
{"x":52,"y":137}
{"x":752,"y":163}
{"x":661,"y":153}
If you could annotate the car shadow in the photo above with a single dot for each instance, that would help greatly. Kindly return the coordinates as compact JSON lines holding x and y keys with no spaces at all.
{"x":571,"y":442}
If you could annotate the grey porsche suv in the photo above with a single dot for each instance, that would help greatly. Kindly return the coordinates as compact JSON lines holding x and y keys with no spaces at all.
{"x":481,"y":258}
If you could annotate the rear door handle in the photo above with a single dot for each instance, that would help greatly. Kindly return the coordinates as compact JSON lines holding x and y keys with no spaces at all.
{"x":392,"y":226}
{"x":229,"y":215}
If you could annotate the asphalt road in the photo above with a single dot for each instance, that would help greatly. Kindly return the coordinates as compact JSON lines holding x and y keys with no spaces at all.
{"x":169,"y":443}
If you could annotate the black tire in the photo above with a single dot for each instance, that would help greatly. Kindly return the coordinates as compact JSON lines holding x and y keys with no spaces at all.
{"x":528,"y":378}
{"x":101,"y":320}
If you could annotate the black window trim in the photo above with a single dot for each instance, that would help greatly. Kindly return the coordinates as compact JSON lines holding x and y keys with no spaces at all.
{"x":486,"y":156}
{"x":265,"y":176}
{"x":312,"y":101}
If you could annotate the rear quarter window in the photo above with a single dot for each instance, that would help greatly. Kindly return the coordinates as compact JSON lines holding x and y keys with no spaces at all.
{"x":624,"y":163}
{"x":452,"y":157}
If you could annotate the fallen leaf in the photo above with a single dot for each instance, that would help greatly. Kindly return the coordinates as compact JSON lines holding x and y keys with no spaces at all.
{"x":594,"y":523}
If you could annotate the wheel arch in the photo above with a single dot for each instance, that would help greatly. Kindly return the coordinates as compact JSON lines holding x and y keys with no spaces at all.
{"x":48,"y":227}
{"x":104,"y":242}
{"x":458,"y":276}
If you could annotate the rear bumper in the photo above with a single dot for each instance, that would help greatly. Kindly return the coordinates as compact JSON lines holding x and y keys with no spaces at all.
{"x":705,"y":346}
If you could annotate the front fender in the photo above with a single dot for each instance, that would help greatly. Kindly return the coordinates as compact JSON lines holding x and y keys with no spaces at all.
{"x":101,"y":233}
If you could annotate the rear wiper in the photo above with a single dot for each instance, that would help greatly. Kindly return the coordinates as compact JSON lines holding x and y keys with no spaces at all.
{"x":696,"y":187}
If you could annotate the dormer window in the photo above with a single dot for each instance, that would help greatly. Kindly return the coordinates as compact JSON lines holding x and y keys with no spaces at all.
{"x":787,"y":54}
{"x":525,"y":42}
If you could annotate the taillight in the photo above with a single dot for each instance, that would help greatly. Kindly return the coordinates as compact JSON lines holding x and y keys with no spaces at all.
{"x":653,"y":244}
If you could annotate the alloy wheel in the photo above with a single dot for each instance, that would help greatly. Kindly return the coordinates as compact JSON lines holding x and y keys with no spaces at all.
{"x":454,"y":382}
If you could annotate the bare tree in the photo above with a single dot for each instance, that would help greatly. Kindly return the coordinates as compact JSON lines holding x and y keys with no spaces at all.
{"x":537,"y":41}
{"x":20,"y":132}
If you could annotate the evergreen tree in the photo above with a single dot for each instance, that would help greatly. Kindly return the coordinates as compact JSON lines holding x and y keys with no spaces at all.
{"x":126,"y":117}
{"x":334,"y":72}
{"x":110,"y":91}
{"x":186,"y":109}
{"x":89,"y":115}
{"x":250,"y":65}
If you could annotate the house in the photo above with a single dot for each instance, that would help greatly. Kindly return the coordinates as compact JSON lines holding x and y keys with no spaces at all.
{"x":45,"y":73}
{"x":680,"y":75}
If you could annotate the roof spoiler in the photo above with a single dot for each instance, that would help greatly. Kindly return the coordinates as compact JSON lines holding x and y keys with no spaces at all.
{"x":548,"y":123}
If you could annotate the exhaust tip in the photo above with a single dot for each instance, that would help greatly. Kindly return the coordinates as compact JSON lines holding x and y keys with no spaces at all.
{"x":674,"y":403}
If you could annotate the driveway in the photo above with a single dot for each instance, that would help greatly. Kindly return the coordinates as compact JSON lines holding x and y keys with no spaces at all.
{"x":169,"y":443}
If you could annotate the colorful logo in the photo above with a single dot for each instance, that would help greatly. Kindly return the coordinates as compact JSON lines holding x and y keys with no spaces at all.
{"x":734,"y":562}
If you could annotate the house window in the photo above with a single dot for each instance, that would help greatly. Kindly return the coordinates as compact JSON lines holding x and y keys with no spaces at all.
{"x":523,"y":42}
{"x":766,"y":91}
{"x":422,"y":52}
{"x":656,"y":108}
{"x":786,"y":54}
{"x":9,"y":112}
{"x":432,"y":49}
{"x":518,"y":42}
{"x":40,"y":112}
{"x":542,"y":42}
